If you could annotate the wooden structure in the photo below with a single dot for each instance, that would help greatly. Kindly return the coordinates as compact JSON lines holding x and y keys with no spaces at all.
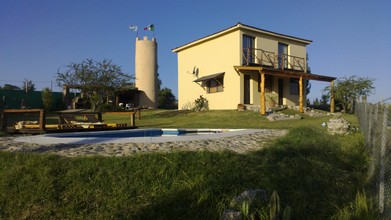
{"x":67,"y":121}
{"x":286,"y":66}
{"x":5,"y":113}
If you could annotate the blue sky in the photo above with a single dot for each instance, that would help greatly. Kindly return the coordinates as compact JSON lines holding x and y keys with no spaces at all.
{"x":37,"y":37}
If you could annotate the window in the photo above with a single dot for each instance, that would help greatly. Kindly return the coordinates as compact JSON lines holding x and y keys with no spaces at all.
{"x":294,"y":86}
{"x":215,"y":85}
{"x":248,"y":50}
{"x":268,"y":83}
{"x":282,"y":56}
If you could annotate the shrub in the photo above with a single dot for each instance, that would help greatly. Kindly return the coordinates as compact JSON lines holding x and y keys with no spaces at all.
{"x":201,"y":104}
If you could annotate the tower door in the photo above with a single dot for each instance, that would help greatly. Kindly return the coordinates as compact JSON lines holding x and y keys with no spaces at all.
{"x":246,"y":87}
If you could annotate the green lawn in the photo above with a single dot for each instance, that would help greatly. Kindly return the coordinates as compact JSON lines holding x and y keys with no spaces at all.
{"x":219,"y":119}
{"x":314,"y":173}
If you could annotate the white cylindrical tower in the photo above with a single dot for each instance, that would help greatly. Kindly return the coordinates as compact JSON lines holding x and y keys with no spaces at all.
{"x":146,"y":71}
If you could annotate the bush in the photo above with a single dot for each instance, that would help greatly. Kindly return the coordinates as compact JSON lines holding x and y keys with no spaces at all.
{"x":201,"y":104}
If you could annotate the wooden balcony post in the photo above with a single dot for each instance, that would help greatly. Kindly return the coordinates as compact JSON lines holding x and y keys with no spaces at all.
{"x":332,"y":96}
{"x":301,"y":94}
{"x":263,"y":99}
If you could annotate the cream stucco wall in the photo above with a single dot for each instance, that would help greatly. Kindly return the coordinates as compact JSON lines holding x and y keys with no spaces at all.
{"x":214,"y":56}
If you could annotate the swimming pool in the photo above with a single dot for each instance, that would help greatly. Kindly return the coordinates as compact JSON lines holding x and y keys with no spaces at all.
{"x":133,"y":136}
{"x":153,"y":132}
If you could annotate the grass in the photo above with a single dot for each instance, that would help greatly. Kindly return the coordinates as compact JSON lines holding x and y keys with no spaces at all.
{"x":314,"y":173}
{"x":219,"y":119}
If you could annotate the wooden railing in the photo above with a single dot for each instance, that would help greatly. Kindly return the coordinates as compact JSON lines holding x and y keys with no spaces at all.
{"x":254,"y":56}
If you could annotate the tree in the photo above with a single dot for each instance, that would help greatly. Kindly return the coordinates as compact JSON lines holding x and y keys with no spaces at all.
{"x":307,"y":81}
{"x":166,"y":100}
{"x":96,"y":80}
{"x":316,"y":102}
{"x":348,"y":89}
{"x":10,"y":87}
{"x":47,"y":98}
{"x":324,"y":99}
{"x":28,"y":85}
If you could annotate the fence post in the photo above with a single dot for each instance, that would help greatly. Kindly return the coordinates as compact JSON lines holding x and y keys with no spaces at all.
{"x":369,"y":131}
{"x":383,"y":143}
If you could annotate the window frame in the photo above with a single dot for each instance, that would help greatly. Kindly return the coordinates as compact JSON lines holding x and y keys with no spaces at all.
{"x":215,"y":85}
{"x":294,"y":86}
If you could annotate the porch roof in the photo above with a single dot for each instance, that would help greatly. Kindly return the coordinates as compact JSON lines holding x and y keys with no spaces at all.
{"x":284,"y":73}
{"x":213,"y":76}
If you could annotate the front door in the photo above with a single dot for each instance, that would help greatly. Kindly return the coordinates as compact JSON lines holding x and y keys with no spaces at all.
{"x":280,"y":92}
{"x":246,"y":88}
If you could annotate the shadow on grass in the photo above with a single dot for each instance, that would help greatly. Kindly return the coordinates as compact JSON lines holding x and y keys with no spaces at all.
{"x":313,"y":175}
{"x":311,"y":172}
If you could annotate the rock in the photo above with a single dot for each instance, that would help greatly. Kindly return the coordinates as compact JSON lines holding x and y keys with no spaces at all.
{"x":230,"y":214}
{"x":280,"y":116}
{"x":254,"y":197}
{"x":251,"y":196}
{"x":298,"y":116}
{"x":338,"y":126}
{"x":241,"y":107}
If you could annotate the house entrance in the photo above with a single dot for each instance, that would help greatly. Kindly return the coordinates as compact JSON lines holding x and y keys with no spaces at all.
{"x":280,"y":91}
{"x":246,"y":88}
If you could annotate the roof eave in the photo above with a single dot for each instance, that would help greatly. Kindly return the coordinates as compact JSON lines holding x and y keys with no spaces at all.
{"x":236,"y":27}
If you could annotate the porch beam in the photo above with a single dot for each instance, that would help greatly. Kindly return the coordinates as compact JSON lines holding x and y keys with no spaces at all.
{"x":301,"y":94}
{"x":332,"y":96}
{"x":263,"y":99}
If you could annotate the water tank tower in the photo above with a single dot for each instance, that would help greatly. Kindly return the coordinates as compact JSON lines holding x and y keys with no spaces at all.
{"x":146,"y":71}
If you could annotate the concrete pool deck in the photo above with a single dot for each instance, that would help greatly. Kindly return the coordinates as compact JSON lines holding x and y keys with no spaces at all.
{"x":93,"y":137}
{"x":238,"y":141}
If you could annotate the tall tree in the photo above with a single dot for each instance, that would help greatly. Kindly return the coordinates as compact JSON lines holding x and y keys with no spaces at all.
{"x":324,"y":99}
{"x":97,"y":80}
{"x":348,"y":89}
{"x":10,"y":87}
{"x":46,"y":98}
{"x":28,"y":85}
{"x":166,"y":100}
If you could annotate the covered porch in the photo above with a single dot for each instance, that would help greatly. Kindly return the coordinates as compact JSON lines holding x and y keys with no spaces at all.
{"x":284,"y":73}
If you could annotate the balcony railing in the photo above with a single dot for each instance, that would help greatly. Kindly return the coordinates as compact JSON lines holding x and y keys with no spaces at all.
{"x":259,"y":57}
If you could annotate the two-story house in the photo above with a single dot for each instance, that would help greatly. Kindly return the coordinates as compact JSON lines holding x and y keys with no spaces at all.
{"x":245,"y":65}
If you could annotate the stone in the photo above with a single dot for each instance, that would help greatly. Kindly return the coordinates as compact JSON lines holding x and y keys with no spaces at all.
{"x":254,"y":197}
{"x":338,"y":125}
{"x":251,"y":196}
{"x":298,"y":116}
{"x":230,"y":214}
{"x":241,"y":107}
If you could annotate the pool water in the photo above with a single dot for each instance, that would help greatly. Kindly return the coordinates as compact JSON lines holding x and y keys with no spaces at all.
{"x":137,"y":133}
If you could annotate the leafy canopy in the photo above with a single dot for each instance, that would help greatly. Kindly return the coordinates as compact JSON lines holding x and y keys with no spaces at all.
{"x":348,"y":89}
{"x":96,"y":80}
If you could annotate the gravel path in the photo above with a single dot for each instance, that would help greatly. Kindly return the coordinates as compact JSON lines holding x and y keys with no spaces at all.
{"x":240,"y":144}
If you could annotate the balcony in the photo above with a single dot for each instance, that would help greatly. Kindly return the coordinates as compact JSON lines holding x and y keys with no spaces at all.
{"x":267,"y":59}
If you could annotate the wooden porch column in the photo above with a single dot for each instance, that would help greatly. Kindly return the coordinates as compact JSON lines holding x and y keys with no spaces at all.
{"x":263,"y":99}
{"x":332,"y":96}
{"x":301,"y":94}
